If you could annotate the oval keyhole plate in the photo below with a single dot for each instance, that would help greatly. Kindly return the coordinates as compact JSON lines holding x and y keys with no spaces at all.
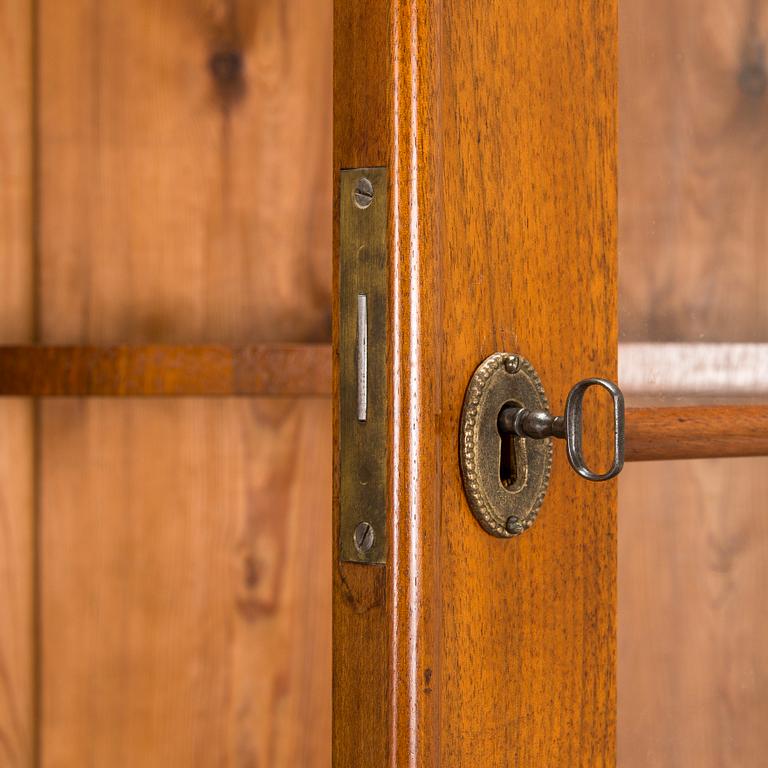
{"x":504,"y":480}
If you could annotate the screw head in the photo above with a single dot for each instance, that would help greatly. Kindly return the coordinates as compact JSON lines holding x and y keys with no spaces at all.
{"x":363,"y":195}
{"x":364,"y":537}
{"x":512,"y":363}
{"x":514,"y":526}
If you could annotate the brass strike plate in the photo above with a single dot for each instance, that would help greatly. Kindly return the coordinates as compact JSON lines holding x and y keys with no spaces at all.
{"x":363,"y":406}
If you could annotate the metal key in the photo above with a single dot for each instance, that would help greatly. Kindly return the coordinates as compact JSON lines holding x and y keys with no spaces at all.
{"x":540,"y":424}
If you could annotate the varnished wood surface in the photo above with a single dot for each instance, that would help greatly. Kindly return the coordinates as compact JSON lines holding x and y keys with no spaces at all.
{"x":497,"y":121}
{"x":184,"y":194}
{"x":17,"y":418}
{"x":296,"y":370}
{"x":17,"y":581}
{"x":528,"y":159}
{"x":652,"y":434}
{"x":693,"y":372}
{"x":187,"y":603}
{"x":693,"y":563}
{"x":696,"y":432}
{"x":184,"y":171}
{"x":692,"y":546}
{"x":693,"y":164}
{"x":281,"y":370}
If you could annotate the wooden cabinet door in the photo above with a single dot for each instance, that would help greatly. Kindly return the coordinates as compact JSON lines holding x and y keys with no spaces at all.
{"x":496,"y":123}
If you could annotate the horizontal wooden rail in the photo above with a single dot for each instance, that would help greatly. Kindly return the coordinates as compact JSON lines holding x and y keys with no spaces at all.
{"x":285,"y":370}
{"x":661,"y":434}
{"x":158,"y":370}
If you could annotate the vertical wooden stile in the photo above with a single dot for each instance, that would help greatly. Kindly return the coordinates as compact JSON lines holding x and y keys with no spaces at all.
{"x":497,"y":123}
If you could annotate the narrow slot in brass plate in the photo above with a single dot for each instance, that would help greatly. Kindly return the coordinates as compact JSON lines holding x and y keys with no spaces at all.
{"x":363,"y":403}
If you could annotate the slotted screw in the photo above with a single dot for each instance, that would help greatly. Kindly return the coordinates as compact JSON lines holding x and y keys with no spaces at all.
{"x":363,"y":193}
{"x":364,"y":537}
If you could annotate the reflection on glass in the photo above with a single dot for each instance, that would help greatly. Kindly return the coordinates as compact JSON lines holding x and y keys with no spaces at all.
{"x":693,"y":269}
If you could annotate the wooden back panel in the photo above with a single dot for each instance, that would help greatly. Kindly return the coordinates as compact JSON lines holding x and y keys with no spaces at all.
{"x":179,"y":162}
{"x":693,"y":543}
{"x":17,"y":417}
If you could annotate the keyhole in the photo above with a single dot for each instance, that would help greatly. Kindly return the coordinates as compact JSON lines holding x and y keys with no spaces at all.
{"x":508,"y":461}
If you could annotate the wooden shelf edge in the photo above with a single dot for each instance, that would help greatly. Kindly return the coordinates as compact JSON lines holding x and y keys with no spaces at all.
{"x":304,"y":370}
{"x":266,"y":370}
{"x":696,"y":432}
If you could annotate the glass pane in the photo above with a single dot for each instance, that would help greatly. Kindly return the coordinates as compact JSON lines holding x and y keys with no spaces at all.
{"x":693,"y":231}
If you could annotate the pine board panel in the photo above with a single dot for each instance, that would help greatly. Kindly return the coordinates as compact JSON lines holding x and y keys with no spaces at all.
{"x":693,"y":179}
{"x":17,"y":605}
{"x":184,"y":155}
{"x":186,"y":583}
{"x":17,"y":601}
{"x":693,"y":567}
{"x":178,"y":204}
{"x":693,"y":558}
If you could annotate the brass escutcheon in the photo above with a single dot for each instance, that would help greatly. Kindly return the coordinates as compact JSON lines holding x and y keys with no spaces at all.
{"x":505,"y":477}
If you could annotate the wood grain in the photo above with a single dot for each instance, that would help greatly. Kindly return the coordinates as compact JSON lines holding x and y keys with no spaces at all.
{"x":17,"y":590}
{"x":497,"y":121}
{"x":17,"y":576}
{"x":276,"y":370}
{"x":692,"y":551}
{"x":694,"y":165}
{"x":692,"y":622}
{"x":184,"y":154}
{"x":527,"y":671}
{"x":696,"y":432}
{"x":186,"y":603}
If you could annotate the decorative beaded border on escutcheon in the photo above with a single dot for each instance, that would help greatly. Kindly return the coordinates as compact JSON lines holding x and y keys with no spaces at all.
{"x":481,"y":506}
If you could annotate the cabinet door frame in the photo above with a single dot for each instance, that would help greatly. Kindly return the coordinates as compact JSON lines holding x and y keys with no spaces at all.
{"x":497,"y":124}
